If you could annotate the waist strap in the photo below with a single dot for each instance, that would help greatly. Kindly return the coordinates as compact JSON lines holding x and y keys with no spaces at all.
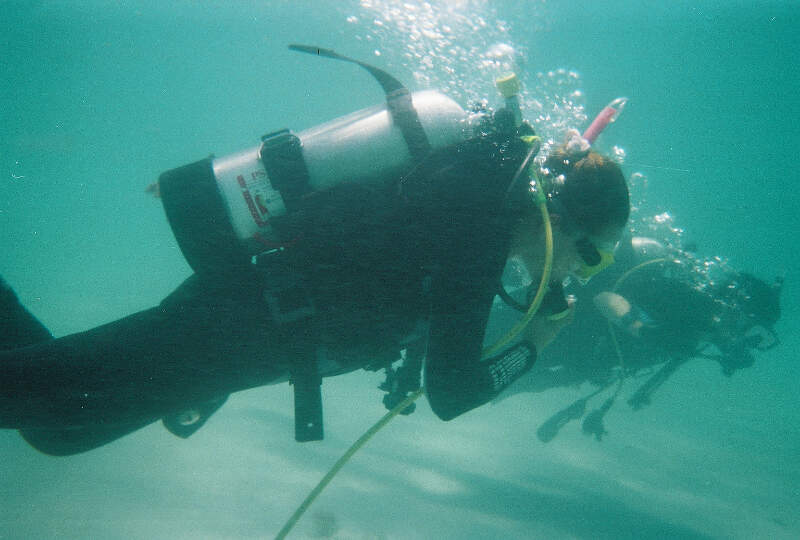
{"x":292,"y":310}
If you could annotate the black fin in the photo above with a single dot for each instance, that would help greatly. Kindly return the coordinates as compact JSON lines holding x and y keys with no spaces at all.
{"x":643,"y":395}
{"x":550,"y":428}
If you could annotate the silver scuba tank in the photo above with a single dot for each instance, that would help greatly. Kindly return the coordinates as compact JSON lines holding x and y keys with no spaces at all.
{"x":364,"y":146}
{"x":222,"y":210}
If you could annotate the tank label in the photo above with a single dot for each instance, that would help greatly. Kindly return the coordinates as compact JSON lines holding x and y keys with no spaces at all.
{"x":262,"y":200}
{"x":248,"y":194}
{"x":259,"y":213}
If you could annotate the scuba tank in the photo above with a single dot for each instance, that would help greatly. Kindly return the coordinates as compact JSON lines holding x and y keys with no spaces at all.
{"x":364,"y":146}
{"x":222,"y":210}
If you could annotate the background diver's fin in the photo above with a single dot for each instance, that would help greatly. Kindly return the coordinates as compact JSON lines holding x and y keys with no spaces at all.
{"x":593,"y":422}
{"x":643,"y":395}
{"x":550,"y":428}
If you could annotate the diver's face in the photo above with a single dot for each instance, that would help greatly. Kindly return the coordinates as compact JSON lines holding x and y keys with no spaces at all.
{"x":574,"y":253}
{"x":566,"y":257}
{"x":584,"y":256}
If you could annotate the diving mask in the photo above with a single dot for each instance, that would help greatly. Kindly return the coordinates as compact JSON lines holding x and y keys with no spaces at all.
{"x":593,"y":259}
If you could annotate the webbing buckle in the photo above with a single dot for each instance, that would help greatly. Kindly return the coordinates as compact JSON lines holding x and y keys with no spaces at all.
{"x":281,"y":153}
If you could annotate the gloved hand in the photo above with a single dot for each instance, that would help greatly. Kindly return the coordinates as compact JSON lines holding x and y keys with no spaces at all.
{"x":542,"y":330}
{"x":620,"y":312}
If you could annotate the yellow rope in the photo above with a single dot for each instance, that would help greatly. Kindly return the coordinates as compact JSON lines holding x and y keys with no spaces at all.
{"x":344,"y":459}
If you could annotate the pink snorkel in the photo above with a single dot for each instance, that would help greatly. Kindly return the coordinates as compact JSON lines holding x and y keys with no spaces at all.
{"x":607,"y":116}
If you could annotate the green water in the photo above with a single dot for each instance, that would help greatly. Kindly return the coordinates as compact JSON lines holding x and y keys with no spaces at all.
{"x":98,"y":98}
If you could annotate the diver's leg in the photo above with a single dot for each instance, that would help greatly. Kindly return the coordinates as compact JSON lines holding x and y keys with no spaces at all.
{"x":70,"y":441}
{"x":206,"y":340}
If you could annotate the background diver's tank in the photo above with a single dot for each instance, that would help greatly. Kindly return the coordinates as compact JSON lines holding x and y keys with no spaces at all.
{"x":220,"y":208}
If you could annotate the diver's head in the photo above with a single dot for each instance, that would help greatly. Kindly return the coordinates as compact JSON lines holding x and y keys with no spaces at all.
{"x":757,"y":304}
{"x":589,"y":207}
{"x":591,"y":191}
{"x":752,"y":307}
{"x":759,"y":300}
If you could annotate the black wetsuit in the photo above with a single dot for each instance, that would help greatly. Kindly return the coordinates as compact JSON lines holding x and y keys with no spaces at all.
{"x":676,"y":316}
{"x":376,"y":260}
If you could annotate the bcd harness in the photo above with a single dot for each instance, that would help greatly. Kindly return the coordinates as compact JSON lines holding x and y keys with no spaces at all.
{"x":288,"y":300}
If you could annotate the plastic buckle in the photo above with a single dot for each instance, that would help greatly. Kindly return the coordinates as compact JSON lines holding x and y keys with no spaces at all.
{"x":281,"y":153}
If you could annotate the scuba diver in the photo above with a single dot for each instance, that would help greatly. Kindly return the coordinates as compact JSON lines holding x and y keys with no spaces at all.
{"x":319,"y":253}
{"x":668,"y":306}
{"x":659,"y":307}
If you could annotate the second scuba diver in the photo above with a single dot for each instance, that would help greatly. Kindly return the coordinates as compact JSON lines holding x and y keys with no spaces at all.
{"x":658,"y":308}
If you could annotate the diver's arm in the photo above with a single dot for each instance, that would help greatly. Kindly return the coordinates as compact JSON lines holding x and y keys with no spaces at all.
{"x":460,"y":196}
{"x":624,"y":314}
{"x":199,"y":344}
{"x":456,"y":378}
{"x":619,"y":311}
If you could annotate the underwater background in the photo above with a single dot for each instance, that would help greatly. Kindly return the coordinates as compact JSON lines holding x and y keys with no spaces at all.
{"x":100,"y":97}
